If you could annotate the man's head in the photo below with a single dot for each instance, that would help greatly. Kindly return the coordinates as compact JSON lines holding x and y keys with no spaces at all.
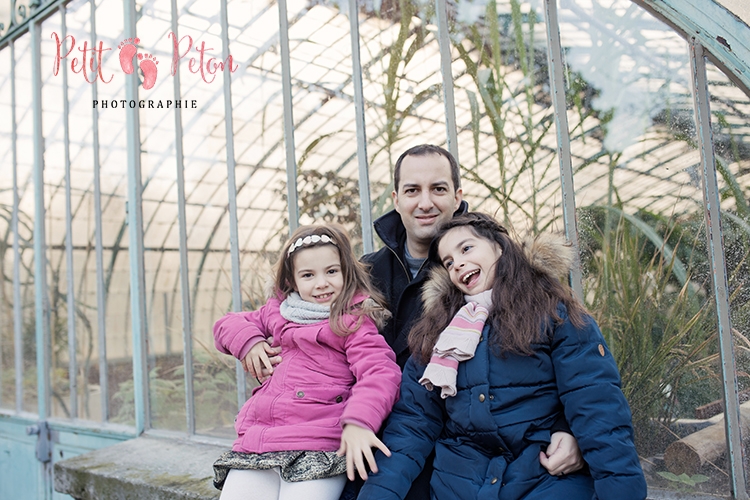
{"x":426,"y":193}
{"x":428,"y":150}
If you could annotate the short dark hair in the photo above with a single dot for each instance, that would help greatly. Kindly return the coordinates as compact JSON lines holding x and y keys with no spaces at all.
{"x":424,"y":150}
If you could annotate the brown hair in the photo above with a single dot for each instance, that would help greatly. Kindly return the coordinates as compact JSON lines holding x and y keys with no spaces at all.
{"x":524,"y":297}
{"x":356,"y":278}
{"x":425,"y":150}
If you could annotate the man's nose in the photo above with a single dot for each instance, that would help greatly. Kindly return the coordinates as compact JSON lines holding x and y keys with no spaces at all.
{"x":425,"y":201}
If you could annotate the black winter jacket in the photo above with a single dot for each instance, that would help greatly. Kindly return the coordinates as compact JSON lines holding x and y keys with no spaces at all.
{"x":390,"y":275}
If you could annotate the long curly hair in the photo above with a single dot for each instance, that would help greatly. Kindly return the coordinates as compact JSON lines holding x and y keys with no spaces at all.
{"x":525,"y":294}
{"x":355,"y":274}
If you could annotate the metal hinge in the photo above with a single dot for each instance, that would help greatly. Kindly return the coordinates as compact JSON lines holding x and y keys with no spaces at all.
{"x":44,"y":441}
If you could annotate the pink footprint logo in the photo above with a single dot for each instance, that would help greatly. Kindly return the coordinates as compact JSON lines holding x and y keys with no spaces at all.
{"x":127,"y":51}
{"x":148,"y":66}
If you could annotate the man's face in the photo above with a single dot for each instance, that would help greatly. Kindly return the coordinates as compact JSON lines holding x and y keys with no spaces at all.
{"x":425,"y":199}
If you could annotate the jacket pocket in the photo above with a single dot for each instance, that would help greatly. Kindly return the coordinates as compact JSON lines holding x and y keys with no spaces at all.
{"x":318,"y":405}
{"x":322,"y":394}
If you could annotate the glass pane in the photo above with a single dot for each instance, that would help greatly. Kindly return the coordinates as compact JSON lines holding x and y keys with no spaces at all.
{"x":7,"y":343}
{"x":504,"y":112}
{"x":160,"y":224}
{"x":731,"y":135}
{"x":207,"y":209}
{"x":80,"y":96}
{"x":25,"y":152}
{"x":53,"y":122}
{"x":647,"y":276}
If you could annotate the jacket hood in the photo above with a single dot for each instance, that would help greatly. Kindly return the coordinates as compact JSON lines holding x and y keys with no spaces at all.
{"x":550,"y":253}
{"x":391,"y":230}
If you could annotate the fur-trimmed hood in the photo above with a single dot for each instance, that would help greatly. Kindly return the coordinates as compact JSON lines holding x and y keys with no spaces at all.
{"x":548,"y":252}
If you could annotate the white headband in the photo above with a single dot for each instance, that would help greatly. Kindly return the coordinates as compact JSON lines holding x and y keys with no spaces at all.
{"x":309,"y":240}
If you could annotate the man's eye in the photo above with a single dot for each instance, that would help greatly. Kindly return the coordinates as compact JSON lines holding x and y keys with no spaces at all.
{"x":441,"y":189}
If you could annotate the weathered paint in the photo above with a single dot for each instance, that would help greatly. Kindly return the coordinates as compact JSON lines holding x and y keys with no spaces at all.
{"x":557,"y":88}
{"x":722,"y":34}
{"x":135,"y":234}
{"x":359,"y":117}
{"x":712,"y":202}
{"x":446,"y":70}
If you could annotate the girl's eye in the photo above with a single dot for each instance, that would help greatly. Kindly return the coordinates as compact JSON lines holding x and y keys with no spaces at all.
{"x":448,"y":264}
{"x":466,"y":248}
{"x":333,"y":271}
{"x":306,"y":275}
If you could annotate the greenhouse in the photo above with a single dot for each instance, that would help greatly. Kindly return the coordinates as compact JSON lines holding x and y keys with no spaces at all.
{"x":141,"y":202}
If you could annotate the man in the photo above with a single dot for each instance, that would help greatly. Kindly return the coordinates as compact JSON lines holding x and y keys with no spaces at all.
{"x":426,"y":193}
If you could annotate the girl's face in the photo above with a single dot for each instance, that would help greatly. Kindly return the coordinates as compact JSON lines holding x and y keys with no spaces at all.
{"x":317,"y":274}
{"x":469,"y":259}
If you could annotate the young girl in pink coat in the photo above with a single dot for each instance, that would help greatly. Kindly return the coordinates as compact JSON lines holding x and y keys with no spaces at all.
{"x":313,"y":420}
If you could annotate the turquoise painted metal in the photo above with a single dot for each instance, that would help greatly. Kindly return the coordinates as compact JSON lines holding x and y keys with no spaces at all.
{"x":30,"y":444}
{"x":723,"y":35}
{"x":22,"y":476}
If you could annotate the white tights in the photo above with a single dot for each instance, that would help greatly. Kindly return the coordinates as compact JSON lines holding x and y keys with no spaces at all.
{"x":268,"y":485}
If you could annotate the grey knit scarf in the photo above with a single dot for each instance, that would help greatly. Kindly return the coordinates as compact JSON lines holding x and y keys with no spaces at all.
{"x":300,"y":311}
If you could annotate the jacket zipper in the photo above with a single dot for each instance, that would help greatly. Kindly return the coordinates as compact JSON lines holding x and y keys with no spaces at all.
{"x":408,"y":274}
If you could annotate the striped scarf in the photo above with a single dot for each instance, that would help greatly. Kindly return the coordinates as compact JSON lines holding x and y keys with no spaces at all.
{"x":456,"y":343}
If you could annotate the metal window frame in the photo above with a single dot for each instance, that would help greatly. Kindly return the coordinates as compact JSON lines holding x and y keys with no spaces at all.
{"x":703,"y":40}
{"x":712,"y":207}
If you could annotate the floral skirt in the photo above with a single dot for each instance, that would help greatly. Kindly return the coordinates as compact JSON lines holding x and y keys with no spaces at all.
{"x":294,"y":465}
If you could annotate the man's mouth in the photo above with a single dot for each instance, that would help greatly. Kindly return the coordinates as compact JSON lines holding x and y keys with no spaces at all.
{"x":426,"y":219}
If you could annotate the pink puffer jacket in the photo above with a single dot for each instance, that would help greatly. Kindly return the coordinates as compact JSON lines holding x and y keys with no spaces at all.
{"x":323,"y":381}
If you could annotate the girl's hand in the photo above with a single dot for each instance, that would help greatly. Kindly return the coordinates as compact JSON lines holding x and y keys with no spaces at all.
{"x":562,"y":456}
{"x":261,"y":359}
{"x":357,"y":442}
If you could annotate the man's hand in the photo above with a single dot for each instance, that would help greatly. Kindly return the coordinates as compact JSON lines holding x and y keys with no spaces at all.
{"x":357,"y":442}
{"x":562,"y":456}
{"x":261,"y":359}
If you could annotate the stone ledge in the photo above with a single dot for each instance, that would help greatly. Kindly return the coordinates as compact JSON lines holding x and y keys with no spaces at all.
{"x":143,"y":468}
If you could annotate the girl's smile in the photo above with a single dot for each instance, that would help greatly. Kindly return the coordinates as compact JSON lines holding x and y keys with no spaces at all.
{"x":469,"y":259}
{"x":317,"y":274}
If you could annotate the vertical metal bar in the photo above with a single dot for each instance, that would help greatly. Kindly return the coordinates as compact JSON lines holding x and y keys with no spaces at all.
{"x":187,"y":316}
{"x":40,"y":245}
{"x":17,"y":316}
{"x":101,"y":303}
{"x":712,"y":201}
{"x":72,"y":340}
{"x":135,"y":250}
{"x":557,"y":86}
{"x":286,"y":85}
{"x":232,"y":185}
{"x":165,"y":296}
{"x":368,"y":242}
{"x":444,"y":41}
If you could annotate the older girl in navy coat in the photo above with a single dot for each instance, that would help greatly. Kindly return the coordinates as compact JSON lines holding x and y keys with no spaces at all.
{"x":503,"y":349}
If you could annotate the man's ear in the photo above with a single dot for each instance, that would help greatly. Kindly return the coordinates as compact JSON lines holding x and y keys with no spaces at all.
{"x":394,"y":197}
{"x":459,"y":198}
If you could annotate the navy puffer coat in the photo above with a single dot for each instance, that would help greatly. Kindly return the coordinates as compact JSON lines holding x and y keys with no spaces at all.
{"x":487,"y":438}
